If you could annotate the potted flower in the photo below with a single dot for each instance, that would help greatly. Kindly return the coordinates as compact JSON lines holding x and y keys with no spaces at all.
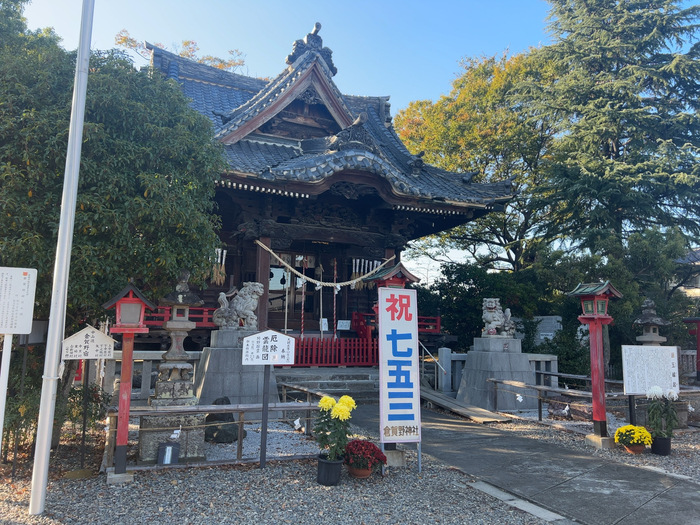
{"x":331,"y":432}
{"x":661,"y":419}
{"x":634,"y":438}
{"x":362,"y":457}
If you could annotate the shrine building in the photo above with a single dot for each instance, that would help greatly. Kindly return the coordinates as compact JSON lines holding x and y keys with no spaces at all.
{"x":318,"y":184}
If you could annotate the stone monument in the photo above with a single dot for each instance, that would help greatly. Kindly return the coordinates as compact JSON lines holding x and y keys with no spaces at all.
{"x":174,"y":386}
{"x":498,"y":354}
{"x":220,"y":372}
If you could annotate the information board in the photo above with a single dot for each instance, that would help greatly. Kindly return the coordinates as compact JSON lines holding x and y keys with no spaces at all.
{"x":646,"y":366}
{"x":89,"y":343}
{"x":399,"y":380}
{"x":17,"y":289}
{"x":268,"y":348}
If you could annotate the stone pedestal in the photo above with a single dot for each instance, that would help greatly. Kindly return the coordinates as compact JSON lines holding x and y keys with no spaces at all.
{"x":500,"y":358}
{"x":220,"y":372}
{"x":173,"y":388}
{"x":497,"y":344}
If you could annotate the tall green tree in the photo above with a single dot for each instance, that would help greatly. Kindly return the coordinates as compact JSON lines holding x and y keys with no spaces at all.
{"x":145,"y":198}
{"x":626,"y":99}
{"x":478,"y":129}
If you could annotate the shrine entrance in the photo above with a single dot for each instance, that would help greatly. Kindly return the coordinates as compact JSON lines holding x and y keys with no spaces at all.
{"x":292,"y":303}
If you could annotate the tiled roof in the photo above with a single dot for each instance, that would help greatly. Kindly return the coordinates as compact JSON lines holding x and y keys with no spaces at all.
{"x":370,"y":144}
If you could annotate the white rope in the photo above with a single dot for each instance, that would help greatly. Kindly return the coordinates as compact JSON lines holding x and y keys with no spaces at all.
{"x":321,"y":283}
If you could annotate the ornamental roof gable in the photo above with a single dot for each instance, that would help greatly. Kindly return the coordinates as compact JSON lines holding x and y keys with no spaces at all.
{"x":299,"y":128}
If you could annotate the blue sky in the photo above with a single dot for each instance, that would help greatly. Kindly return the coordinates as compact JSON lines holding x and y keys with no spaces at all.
{"x":408,"y":49}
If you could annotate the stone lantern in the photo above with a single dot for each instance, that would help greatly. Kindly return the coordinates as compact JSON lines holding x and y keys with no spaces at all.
{"x":650,"y":323}
{"x":174,"y":387}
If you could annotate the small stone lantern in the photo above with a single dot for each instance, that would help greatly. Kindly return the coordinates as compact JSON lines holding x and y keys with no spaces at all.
{"x":650,"y":323}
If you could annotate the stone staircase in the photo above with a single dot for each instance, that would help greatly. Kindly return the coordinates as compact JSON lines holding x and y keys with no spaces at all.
{"x":362,"y":383}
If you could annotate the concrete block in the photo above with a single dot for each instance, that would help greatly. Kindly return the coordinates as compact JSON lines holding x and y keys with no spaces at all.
{"x":395,"y":458}
{"x":600,"y":442}
{"x":119,"y":479}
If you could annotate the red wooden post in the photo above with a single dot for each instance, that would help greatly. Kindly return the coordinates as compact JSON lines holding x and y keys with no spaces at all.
{"x":594,"y":305}
{"x":696,"y":332}
{"x":124,"y":402}
{"x":595,"y":335}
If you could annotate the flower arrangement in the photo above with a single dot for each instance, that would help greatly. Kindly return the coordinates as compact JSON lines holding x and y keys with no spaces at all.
{"x":331,"y":428}
{"x":661,"y":414}
{"x":360,"y":453}
{"x":632,"y":435}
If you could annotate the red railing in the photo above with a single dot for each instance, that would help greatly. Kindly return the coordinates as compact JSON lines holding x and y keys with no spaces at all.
{"x":363,"y":324}
{"x":201,"y":316}
{"x":339,"y":352}
{"x":310,"y":351}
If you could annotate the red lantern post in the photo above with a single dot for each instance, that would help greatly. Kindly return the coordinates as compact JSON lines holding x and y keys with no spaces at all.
{"x":695,"y":330}
{"x":594,"y":307}
{"x":130,"y":310}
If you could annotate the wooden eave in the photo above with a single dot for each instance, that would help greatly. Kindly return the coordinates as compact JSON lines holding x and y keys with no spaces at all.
{"x":398,"y":201}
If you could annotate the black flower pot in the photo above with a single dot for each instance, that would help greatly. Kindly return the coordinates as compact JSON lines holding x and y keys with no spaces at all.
{"x":328,"y":470}
{"x":661,"y":446}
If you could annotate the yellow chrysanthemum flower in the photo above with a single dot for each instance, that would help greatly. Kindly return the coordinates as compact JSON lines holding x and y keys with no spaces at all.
{"x":326,"y":403}
{"x":348,"y":402}
{"x":341,"y":412}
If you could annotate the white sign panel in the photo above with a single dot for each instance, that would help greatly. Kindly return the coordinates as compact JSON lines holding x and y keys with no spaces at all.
{"x":89,"y":343}
{"x":647,"y":366}
{"x":17,"y":289}
{"x":268,"y":348}
{"x":399,"y":380}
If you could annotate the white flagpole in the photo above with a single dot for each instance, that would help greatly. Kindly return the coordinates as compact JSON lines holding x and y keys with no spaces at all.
{"x":59,"y":293}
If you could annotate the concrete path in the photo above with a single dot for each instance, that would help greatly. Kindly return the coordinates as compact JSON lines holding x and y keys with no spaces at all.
{"x":555,"y":483}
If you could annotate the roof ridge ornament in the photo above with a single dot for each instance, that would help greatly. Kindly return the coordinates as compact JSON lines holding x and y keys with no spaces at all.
{"x":312,"y":42}
{"x":354,"y":136}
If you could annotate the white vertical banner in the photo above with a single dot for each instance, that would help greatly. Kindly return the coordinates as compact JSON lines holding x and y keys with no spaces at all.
{"x":399,"y":379}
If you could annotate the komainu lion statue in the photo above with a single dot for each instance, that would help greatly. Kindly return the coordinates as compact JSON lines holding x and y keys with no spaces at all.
{"x":497,"y":323}
{"x":240,"y":311}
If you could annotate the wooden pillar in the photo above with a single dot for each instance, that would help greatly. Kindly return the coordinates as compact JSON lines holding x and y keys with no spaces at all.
{"x":262,"y":271}
{"x":595,"y":336}
{"x":124,"y":402}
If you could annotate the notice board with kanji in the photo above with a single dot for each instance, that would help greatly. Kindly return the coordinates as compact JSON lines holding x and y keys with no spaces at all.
{"x":646,"y":366}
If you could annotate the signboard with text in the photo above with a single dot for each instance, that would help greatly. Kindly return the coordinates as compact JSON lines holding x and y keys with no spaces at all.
{"x":399,"y":380}
{"x":268,"y":348}
{"x":644,"y":366}
{"x":89,"y":343}
{"x":17,"y":289}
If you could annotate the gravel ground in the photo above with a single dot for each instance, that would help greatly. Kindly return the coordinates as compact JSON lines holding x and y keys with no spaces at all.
{"x":287,"y":492}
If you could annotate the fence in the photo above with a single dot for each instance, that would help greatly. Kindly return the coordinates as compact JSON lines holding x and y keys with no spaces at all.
{"x":312,"y":351}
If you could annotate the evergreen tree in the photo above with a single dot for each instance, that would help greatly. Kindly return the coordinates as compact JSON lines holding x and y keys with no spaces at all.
{"x":145,"y":197}
{"x":627,"y":98}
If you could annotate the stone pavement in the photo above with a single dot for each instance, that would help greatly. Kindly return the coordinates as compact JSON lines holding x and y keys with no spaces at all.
{"x":555,"y":483}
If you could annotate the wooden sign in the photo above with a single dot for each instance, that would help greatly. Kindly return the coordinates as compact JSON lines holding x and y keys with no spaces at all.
{"x":268,"y":348}
{"x":89,"y":343}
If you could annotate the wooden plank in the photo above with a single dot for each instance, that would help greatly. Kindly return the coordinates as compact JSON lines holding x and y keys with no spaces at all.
{"x":212,"y":409}
{"x":480,"y":415}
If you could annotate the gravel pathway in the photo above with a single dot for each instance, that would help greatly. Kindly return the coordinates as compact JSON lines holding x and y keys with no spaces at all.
{"x":287,"y":492}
